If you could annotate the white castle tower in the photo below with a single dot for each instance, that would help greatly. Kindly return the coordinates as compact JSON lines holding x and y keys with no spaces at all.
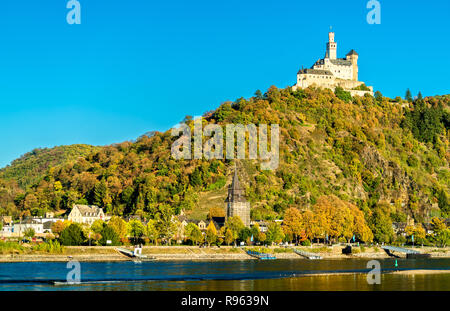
{"x":331,"y":47}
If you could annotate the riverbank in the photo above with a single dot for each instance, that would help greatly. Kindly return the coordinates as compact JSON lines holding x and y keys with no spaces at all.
{"x":420,"y":272}
{"x":173,"y":253}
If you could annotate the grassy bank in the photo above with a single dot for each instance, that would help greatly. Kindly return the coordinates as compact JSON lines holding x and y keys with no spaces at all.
{"x":46,"y":252}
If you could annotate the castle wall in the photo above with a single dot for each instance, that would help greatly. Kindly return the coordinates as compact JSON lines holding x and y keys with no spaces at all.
{"x":330,"y":82}
{"x":360,"y":93}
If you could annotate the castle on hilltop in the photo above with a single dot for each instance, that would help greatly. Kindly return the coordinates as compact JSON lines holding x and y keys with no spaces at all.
{"x":331,"y":72}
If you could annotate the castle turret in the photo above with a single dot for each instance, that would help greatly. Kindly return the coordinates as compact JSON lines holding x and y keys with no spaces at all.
{"x":352,"y":56}
{"x":331,"y":47}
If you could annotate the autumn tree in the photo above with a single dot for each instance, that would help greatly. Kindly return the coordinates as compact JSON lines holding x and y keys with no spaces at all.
{"x":119,"y":225}
{"x":215,"y":212}
{"x":235,"y":225}
{"x":229,"y":237}
{"x":57,"y":227}
{"x":292,"y":224}
{"x":193,"y":233}
{"x":211,"y":233}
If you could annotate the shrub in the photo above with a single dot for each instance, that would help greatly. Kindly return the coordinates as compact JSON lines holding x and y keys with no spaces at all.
{"x":10,"y":247}
{"x":362,"y":87}
{"x":306,"y":243}
{"x":29,"y":233}
{"x":343,"y":95}
{"x":109,"y":234}
{"x":51,"y":246}
{"x":72,"y":236}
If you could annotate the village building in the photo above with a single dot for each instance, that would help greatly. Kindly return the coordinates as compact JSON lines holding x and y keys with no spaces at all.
{"x":399,"y":228}
{"x":6,"y":220}
{"x":263,"y":226}
{"x":46,"y":219}
{"x":22,"y":226}
{"x":330,"y":72}
{"x":86,"y":214}
{"x":6,"y":230}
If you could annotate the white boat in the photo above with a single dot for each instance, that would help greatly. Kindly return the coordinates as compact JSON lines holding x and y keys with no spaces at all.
{"x":137,"y":253}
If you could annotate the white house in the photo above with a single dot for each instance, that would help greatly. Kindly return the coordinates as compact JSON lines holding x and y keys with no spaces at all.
{"x":21,"y":227}
{"x":86,"y":214}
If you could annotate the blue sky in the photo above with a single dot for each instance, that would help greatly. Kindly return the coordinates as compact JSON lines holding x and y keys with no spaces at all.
{"x":135,"y":66}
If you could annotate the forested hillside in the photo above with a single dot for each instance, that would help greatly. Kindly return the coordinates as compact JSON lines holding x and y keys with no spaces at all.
{"x":29,"y":168}
{"x":388,"y":157}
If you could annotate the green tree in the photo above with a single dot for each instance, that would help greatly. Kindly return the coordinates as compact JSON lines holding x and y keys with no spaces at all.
{"x":258,"y":94}
{"x":255,"y":232}
{"x":381,"y":224}
{"x":135,"y":230}
{"x":109,"y":234}
{"x":342,"y":94}
{"x":151,"y":231}
{"x":274,"y":233}
{"x":443,"y":238}
{"x":165,"y":224}
{"x":245,"y":234}
{"x":196,"y":178}
{"x":72,"y":236}
{"x":408,"y":96}
{"x":378,"y":96}
{"x":101,"y":194}
{"x":97,"y":226}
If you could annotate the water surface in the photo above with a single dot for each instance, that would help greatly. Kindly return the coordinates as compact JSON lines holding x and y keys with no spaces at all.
{"x":278,"y":275}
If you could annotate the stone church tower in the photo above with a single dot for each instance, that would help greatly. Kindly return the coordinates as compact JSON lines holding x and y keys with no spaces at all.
{"x":237,"y":205}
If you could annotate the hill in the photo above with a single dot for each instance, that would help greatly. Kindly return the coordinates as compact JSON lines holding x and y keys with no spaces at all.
{"x":374,"y":152}
{"x":30,"y":168}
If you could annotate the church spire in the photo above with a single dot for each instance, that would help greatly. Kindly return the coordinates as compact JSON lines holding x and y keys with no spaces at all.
{"x":235,"y":192}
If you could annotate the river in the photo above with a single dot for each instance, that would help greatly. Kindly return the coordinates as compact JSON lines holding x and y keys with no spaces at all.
{"x":248,"y":275}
